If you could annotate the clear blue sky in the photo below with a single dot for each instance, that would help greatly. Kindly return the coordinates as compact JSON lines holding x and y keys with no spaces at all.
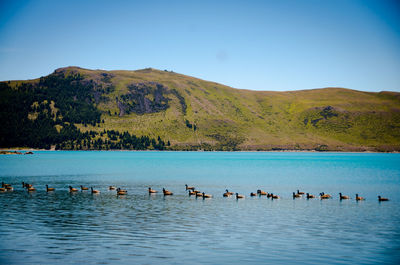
{"x":260,"y":45}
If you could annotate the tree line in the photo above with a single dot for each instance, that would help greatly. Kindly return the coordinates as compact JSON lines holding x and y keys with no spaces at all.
{"x":111,"y":140}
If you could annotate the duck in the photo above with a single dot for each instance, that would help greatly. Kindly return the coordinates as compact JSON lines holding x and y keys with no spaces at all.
{"x":199,"y":194}
{"x":206,"y":195}
{"x":31,"y":189}
{"x":28,"y":185}
{"x":111,"y":188}
{"x":196,"y":191}
{"x":269,"y":195}
{"x":261,"y":193}
{"x":152,"y":191}
{"x":121,"y":192}
{"x":72,"y":189}
{"x":273,"y":196}
{"x":167,"y":192}
{"x":239,"y":196}
{"x":359,"y":198}
{"x":343,"y":197}
{"x":300,"y":192}
{"x":228,"y":192}
{"x":324,"y":196}
{"x":191,"y":193}
{"x":252,"y":194}
{"x":381,"y":199}
{"x":296,"y":195}
{"x":189,"y":188}
{"x":310,"y":196}
{"x":3,"y":189}
{"x":49,"y":189}
{"x":84,"y":188}
{"x":9,"y":188}
{"x":94,"y":191}
{"x":3,"y":185}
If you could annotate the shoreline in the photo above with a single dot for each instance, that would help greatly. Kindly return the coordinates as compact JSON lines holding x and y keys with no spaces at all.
{"x":16,"y":150}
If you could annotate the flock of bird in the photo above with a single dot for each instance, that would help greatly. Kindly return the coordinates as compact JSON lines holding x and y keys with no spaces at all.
{"x":192,"y":192}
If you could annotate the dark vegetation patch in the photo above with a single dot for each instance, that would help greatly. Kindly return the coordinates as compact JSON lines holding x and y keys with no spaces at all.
{"x":73,"y":96}
{"x":112,"y":140}
{"x":314,"y":122}
{"x":324,"y":114}
{"x":74,"y":101}
{"x":106,"y":77}
{"x":190,"y":125}
{"x":328,"y":112}
{"x":148,"y":97}
{"x":143,"y":98}
{"x":100,"y":84}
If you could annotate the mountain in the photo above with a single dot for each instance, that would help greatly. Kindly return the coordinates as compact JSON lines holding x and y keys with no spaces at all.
{"x":76,"y":108}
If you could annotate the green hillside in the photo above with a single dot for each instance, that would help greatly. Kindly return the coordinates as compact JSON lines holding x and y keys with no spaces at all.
{"x":158,"y":107}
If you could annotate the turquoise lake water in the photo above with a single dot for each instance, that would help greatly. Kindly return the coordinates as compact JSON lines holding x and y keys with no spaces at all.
{"x":44,"y":228}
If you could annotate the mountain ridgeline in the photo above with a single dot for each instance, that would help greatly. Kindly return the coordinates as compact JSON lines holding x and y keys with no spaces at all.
{"x":80,"y":109}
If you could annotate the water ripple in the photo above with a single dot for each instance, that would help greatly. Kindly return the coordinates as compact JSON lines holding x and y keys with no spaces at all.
{"x":139,"y":228}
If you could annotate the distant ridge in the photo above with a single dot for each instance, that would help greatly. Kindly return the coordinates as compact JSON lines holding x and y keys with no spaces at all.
{"x":192,"y":114}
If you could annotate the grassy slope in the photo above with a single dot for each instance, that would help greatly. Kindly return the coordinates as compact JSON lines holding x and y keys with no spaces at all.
{"x":255,"y":119}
